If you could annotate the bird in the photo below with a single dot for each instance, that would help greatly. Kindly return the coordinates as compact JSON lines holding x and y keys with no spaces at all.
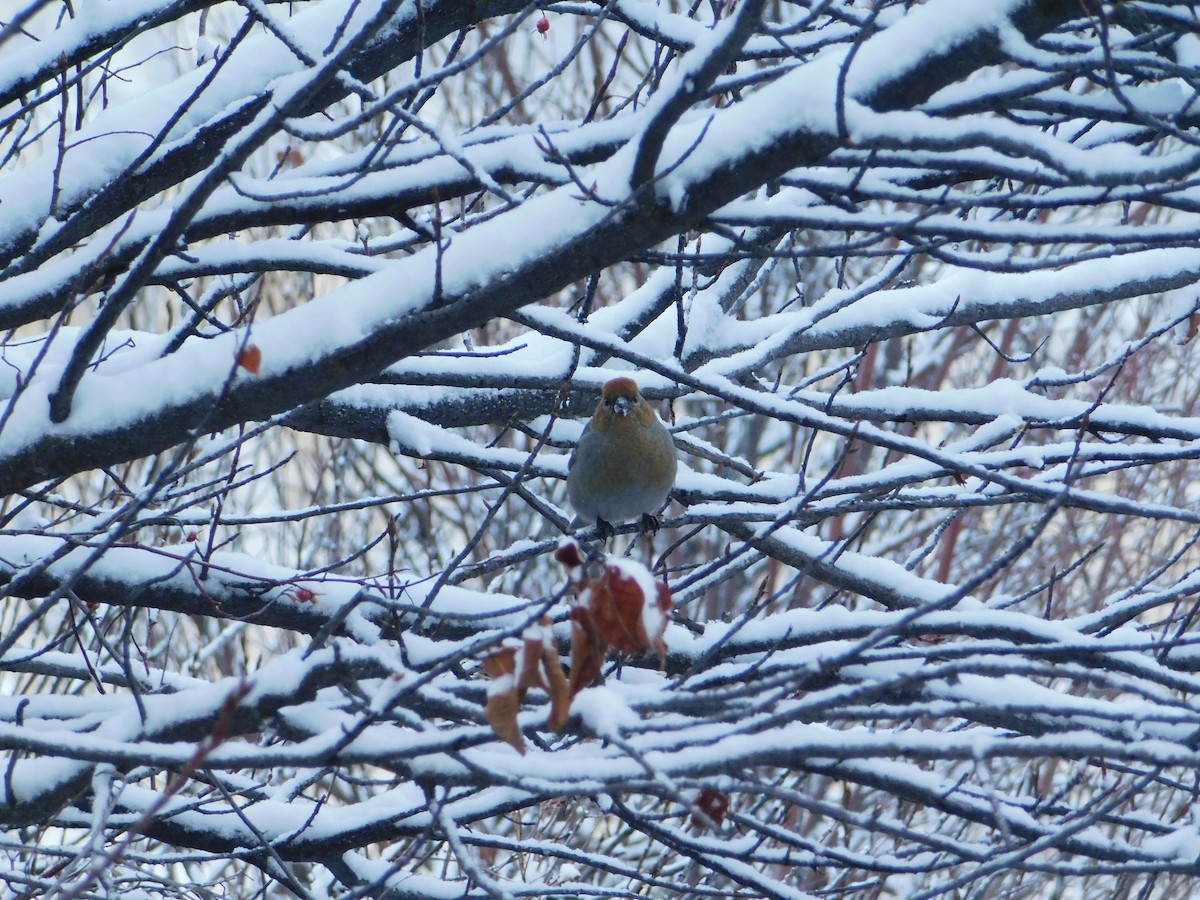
{"x":624,"y":464}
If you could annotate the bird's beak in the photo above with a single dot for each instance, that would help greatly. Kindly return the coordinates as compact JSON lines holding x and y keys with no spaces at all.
{"x":621,"y":406}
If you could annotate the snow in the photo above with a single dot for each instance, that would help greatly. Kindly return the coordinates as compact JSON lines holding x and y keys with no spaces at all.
{"x":604,"y":712}
{"x":1182,"y":844}
{"x":115,"y":139}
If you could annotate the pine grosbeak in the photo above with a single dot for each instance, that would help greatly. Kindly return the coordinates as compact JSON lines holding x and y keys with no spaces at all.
{"x":624,"y":464}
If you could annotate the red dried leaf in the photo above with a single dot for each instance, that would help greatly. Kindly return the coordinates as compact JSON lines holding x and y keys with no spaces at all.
{"x":250,"y":359}
{"x":557,"y":685}
{"x":588,"y":650}
{"x":618,"y":604}
{"x":1192,"y":329}
{"x":614,"y":608}
{"x":713,"y":804}
{"x":516,"y":668}
{"x":628,"y":607}
{"x":505,"y":695}
{"x":501,"y":710}
{"x":289,"y":158}
{"x":502,"y":662}
{"x":531,"y":662}
{"x":569,"y":555}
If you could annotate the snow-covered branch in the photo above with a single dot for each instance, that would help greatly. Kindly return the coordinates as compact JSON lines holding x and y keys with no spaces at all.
{"x":306,"y":306}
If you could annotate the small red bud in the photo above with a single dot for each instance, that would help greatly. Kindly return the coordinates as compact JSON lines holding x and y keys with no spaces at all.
{"x":303,"y":595}
{"x":250,"y":359}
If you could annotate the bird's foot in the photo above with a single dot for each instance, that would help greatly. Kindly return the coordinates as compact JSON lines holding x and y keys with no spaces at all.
{"x":650,"y":524}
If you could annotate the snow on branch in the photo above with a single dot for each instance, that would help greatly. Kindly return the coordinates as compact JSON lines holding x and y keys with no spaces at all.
{"x":306,"y":308}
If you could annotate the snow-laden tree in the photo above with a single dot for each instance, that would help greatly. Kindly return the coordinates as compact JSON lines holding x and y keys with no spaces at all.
{"x":305,"y":304}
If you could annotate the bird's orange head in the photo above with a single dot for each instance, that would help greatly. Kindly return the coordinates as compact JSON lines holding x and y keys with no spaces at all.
{"x":619,"y":398}
{"x":620,"y":387}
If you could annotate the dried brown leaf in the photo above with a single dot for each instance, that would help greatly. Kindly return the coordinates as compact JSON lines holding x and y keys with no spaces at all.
{"x":502,"y":708}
